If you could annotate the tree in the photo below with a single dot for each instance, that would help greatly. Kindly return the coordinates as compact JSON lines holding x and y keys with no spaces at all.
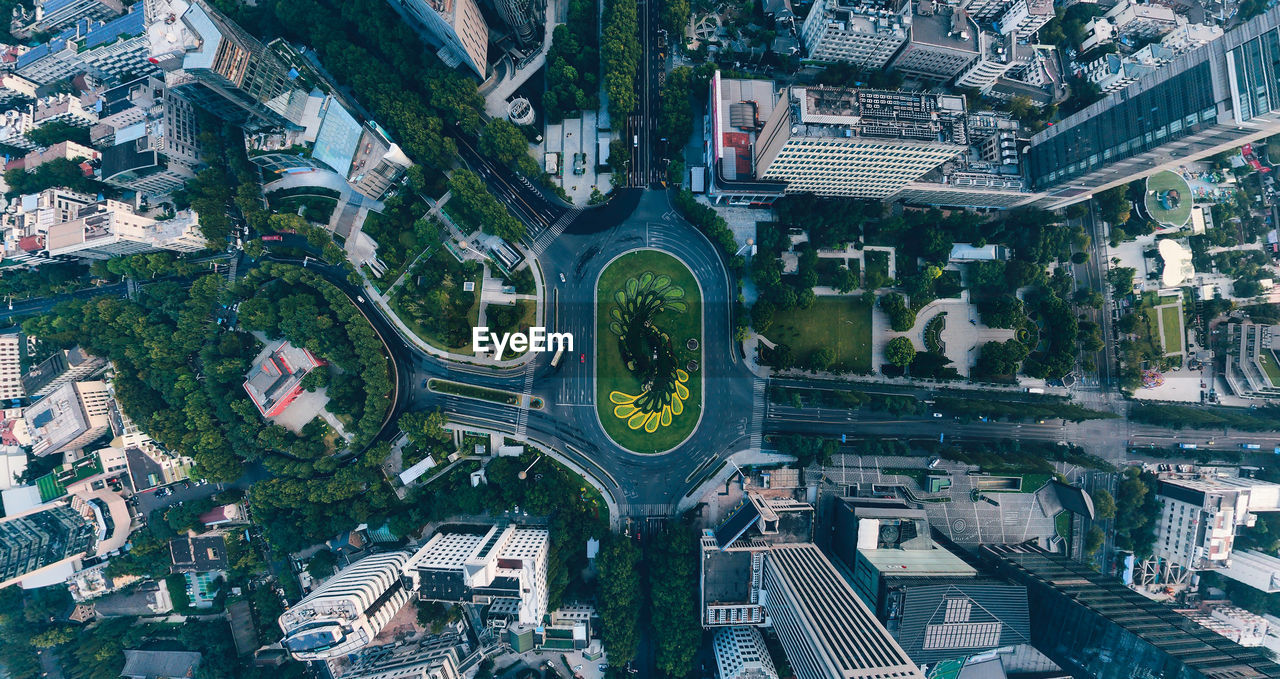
{"x":901,"y":317}
{"x":619,"y":600}
{"x":322,"y":564}
{"x":673,"y":587}
{"x":472,"y":204}
{"x":900,"y":352}
{"x":1004,"y":311}
{"x":1121,"y":280}
{"x":762,"y":315}
{"x":504,"y":142}
{"x":1103,"y":504}
{"x":1093,"y":541}
{"x":999,"y":359}
{"x":1113,"y":205}
{"x":822,"y":359}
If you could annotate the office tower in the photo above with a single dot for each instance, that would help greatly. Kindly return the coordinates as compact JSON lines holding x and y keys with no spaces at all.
{"x":943,"y":41}
{"x":501,"y":567}
{"x":741,"y":654}
{"x":54,"y":15}
{"x":865,"y":34}
{"x":432,"y":657}
{"x":1199,"y":518}
{"x":11,"y":347}
{"x":345,"y":613}
{"x":525,"y":17}
{"x":858,"y":143}
{"x":737,"y":110}
{"x":1094,"y":625}
{"x":997,"y":55}
{"x":455,"y":27}
{"x":43,"y":539}
{"x":1203,"y":102}
{"x":825,"y":629}
{"x":934,"y":622}
{"x":73,"y":415}
{"x":107,"y":51}
{"x":69,"y":365}
{"x":217,"y":64}
{"x":156,"y":138}
{"x":1255,"y":569}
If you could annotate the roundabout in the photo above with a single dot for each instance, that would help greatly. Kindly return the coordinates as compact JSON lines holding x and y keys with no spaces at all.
{"x":648,"y":315}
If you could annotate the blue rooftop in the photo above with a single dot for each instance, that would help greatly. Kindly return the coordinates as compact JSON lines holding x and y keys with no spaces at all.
{"x":131,"y":24}
{"x":337,"y":139}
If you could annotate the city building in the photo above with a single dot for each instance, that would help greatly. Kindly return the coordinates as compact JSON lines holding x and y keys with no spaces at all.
{"x":526,"y":19}
{"x":48,"y":16}
{"x":27,"y":219}
{"x":882,"y":541}
{"x":1236,"y":624}
{"x":1255,"y":569}
{"x":111,"y":228}
{"x":1097,"y":32}
{"x":345,"y":613}
{"x":741,"y":654}
{"x":1094,"y":625}
{"x":569,"y":629}
{"x":934,"y":621}
{"x":68,"y":365}
{"x":503,"y":568}
{"x":997,"y":55}
{"x":943,"y":42}
{"x":108,"y":51}
{"x":455,"y":27}
{"x":68,"y":418}
{"x":865,"y":34}
{"x":160,"y":664}
{"x":210,"y":60}
{"x":275,"y":379}
{"x":155,"y":138}
{"x":1142,"y":21}
{"x":1187,"y":37}
{"x":429,"y":657}
{"x":202,"y":554}
{"x":11,"y":347}
{"x":988,"y":174}
{"x":1248,"y":346}
{"x":738,"y":110}
{"x":1022,"y":18}
{"x":63,"y":150}
{"x":15,"y":88}
{"x":1203,"y":102}
{"x":1113,"y":72}
{"x":42,"y":540}
{"x":1199,"y":517}
{"x":825,"y":629}
{"x":858,"y":143}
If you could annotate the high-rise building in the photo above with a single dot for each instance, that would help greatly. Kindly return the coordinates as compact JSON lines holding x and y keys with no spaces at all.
{"x":501,"y":567}
{"x":825,"y":629}
{"x":737,"y":112}
{"x":69,"y":365}
{"x":11,"y":347}
{"x":1248,"y":349}
{"x":1096,"y":626}
{"x":997,"y":55}
{"x":1023,"y":18}
{"x":455,"y":27}
{"x":216,"y":63}
{"x":741,"y":654}
{"x":42,"y":539}
{"x":858,"y":143}
{"x":156,"y":146}
{"x":105,"y":50}
{"x":865,"y":34}
{"x":943,"y":41}
{"x":525,"y":17}
{"x":1203,"y":102}
{"x":1199,"y":518}
{"x":111,"y":228}
{"x":345,"y":613}
{"x":73,"y":415}
{"x":54,"y":15}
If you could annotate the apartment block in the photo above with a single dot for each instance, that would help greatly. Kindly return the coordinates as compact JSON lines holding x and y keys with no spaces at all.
{"x":1023,"y":18}
{"x":1142,"y":21}
{"x":48,"y":16}
{"x":503,"y":568}
{"x":1203,"y":102}
{"x":943,"y":42}
{"x":11,"y":347}
{"x":107,"y":50}
{"x":70,"y":417}
{"x":156,"y":139}
{"x":1249,"y":356}
{"x":68,"y":365}
{"x":42,"y":540}
{"x":63,"y":150}
{"x":1199,"y":517}
{"x":997,"y":55}
{"x":429,"y":657}
{"x":865,"y":34}
{"x":345,"y":613}
{"x":455,"y":27}
{"x":858,"y":143}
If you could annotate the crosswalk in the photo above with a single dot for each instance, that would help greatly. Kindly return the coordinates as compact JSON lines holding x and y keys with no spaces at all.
{"x":522,"y":418}
{"x":758,"y":388}
{"x":549,"y":234}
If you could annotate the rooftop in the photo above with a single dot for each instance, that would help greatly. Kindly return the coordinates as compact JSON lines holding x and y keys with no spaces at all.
{"x":831,"y":111}
{"x":943,"y":26}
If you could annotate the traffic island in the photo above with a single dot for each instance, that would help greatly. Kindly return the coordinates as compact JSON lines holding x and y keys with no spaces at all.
{"x":648,"y":351}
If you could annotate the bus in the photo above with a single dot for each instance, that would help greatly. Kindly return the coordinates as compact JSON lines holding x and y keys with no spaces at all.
{"x":555,"y":360}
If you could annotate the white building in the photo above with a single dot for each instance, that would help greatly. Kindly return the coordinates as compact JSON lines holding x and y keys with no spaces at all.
{"x":741,"y":654}
{"x":997,"y":55}
{"x":1097,"y":30}
{"x":1024,"y":17}
{"x":1187,"y":37}
{"x":345,"y":613}
{"x":69,"y":365}
{"x":1255,"y":569}
{"x":865,"y":34}
{"x":111,"y":228}
{"x":1199,"y":518}
{"x":73,"y":415}
{"x":1135,"y":20}
{"x":11,"y":367}
{"x":504,"y":567}
{"x":435,"y":657}
{"x":1236,"y":624}
{"x":858,"y":143}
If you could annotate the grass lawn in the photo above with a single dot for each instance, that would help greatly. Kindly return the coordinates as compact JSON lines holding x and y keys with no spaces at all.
{"x":1062,"y":524}
{"x":400,"y":304}
{"x":1172,"y":337}
{"x":1161,"y":182}
{"x":611,"y":372}
{"x":841,"y":323}
{"x":1269,"y":365}
{"x":877,"y":267}
{"x":482,"y":393}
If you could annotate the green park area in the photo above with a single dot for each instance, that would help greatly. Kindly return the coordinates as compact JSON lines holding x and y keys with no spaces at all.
{"x":435,"y":304}
{"x":1268,"y":362}
{"x":1168,"y":199}
{"x":648,"y":351}
{"x":841,"y":324}
{"x":1171,"y":332}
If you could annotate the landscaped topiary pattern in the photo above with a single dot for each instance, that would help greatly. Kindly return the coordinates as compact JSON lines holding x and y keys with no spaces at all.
{"x":648,"y":308}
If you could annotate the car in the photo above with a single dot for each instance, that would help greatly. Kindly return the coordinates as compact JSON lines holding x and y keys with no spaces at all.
{"x":562,"y":280}
{"x":602,"y":666}
{"x":582,"y":358}
{"x":577,"y":668}
{"x":360,"y":299}
{"x":938,"y":415}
